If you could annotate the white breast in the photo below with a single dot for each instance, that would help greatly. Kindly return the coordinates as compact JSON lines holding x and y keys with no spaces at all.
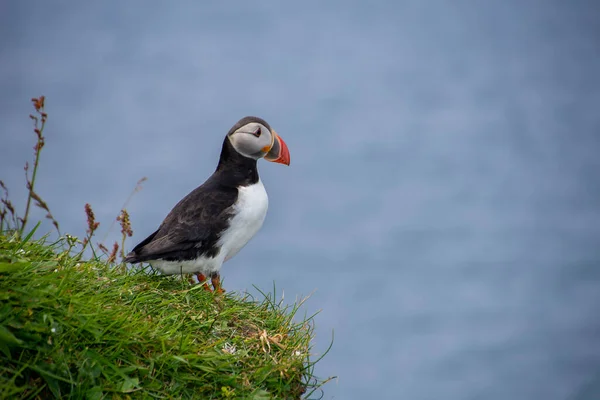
{"x":249,"y":211}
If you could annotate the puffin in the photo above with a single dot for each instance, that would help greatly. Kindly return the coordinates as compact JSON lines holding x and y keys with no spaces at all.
{"x":217,"y":219}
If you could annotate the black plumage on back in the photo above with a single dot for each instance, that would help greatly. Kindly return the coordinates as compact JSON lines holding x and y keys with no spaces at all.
{"x":193,"y":227}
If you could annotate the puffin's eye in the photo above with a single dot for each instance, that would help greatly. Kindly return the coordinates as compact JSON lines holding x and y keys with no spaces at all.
{"x":257,"y":132}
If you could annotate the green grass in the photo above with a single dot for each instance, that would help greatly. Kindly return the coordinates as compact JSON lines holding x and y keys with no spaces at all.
{"x":90,"y":330}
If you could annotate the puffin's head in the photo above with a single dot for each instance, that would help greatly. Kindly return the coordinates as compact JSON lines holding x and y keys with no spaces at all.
{"x":253,"y":137}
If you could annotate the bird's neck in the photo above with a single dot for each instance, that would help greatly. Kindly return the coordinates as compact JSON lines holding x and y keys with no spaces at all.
{"x":238,"y":170}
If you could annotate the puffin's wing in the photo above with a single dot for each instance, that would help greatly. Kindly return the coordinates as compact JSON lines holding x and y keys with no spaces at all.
{"x":191,"y":229}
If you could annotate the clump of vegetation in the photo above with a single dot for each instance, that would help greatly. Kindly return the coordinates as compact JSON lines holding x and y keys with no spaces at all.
{"x":77,"y":328}
{"x":9,"y":218}
{"x":86,"y":330}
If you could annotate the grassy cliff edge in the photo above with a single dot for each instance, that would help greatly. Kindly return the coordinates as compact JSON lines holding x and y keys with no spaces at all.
{"x":88,"y":329}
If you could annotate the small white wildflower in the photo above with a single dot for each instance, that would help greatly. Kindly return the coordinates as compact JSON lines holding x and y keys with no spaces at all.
{"x":297,"y":353}
{"x":53,"y":330}
{"x":229,"y":348}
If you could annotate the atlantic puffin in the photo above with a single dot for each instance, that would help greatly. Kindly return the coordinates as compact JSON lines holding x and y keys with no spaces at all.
{"x":216,"y":220}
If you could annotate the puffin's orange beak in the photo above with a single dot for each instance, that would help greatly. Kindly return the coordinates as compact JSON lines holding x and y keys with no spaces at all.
{"x":279,"y":152}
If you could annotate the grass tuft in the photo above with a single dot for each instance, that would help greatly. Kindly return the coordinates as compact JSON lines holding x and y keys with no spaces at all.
{"x":74,"y":329}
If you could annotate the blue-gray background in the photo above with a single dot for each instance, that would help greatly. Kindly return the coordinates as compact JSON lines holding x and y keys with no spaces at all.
{"x":444,"y":194}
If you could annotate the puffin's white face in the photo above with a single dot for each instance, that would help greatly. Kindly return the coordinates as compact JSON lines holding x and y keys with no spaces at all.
{"x":255,"y":140}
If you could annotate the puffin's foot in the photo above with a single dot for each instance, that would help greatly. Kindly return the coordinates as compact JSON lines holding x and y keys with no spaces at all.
{"x":216,"y":282}
{"x":203,"y":281}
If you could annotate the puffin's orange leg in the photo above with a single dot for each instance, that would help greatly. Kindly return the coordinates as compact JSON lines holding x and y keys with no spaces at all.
{"x":202,"y":280}
{"x":216,"y":282}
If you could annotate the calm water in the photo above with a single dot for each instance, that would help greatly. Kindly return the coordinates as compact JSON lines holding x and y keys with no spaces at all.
{"x":444,"y":193}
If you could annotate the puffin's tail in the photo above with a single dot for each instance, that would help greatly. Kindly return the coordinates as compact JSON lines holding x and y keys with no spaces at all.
{"x":131,"y":258}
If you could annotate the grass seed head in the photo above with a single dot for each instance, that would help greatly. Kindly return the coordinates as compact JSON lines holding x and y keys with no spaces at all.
{"x":113,"y":254}
{"x":38,"y":103}
{"x":123,"y":219}
{"x":91,"y":220}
